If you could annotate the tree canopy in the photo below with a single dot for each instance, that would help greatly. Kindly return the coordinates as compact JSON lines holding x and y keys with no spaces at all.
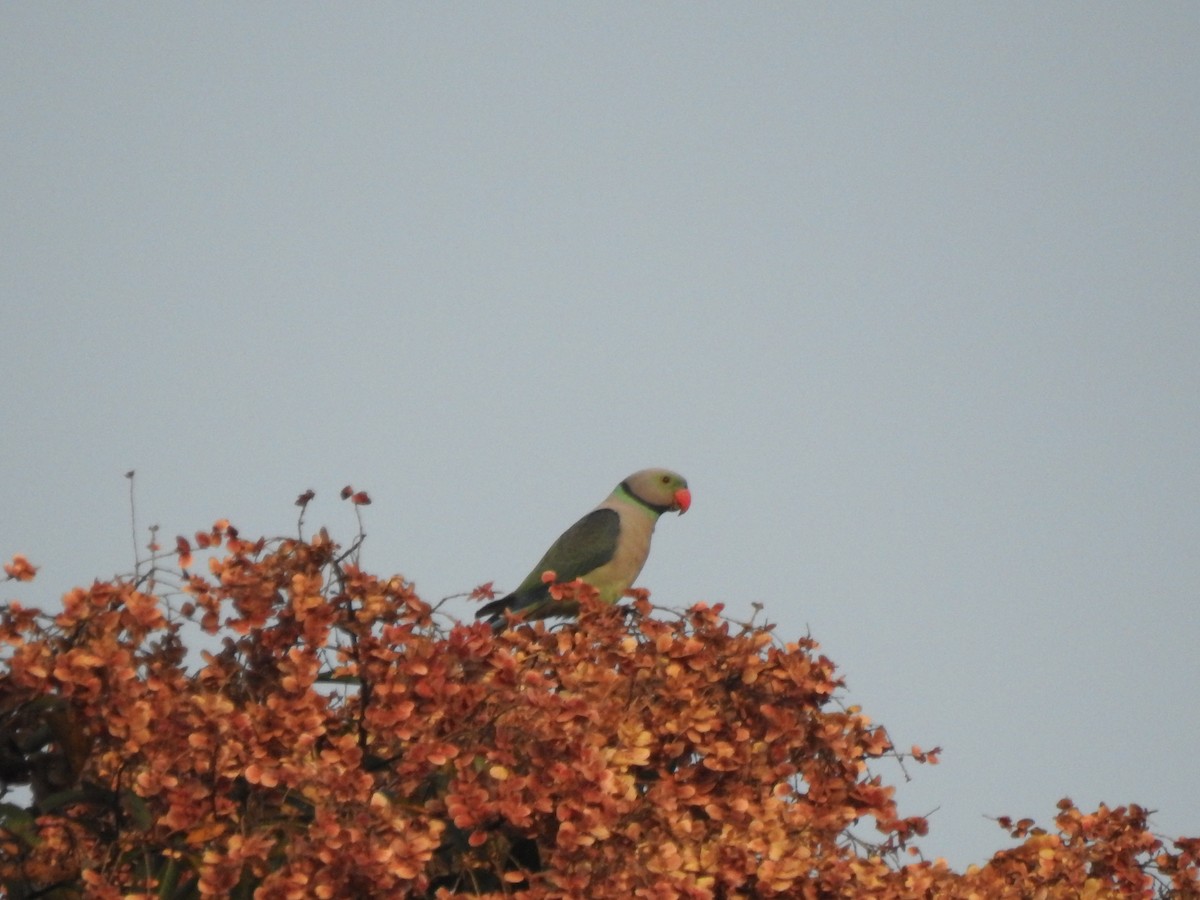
{"x":341,"y":737}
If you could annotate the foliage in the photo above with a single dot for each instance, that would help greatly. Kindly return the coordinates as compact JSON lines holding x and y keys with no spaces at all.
{"x":338,"y":741}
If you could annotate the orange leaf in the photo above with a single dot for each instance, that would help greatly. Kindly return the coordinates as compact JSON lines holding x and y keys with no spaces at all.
{"x":20,"y":568}
{"x":204,"y":833}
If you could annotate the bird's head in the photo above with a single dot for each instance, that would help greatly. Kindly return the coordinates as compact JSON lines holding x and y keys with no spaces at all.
{"x":660,"y":489}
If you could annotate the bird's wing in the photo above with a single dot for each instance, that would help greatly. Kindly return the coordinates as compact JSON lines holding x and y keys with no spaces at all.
{"x":586,"y":545}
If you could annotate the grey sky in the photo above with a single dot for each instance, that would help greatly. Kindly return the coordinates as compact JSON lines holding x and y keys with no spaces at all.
{"x":910,"y":293}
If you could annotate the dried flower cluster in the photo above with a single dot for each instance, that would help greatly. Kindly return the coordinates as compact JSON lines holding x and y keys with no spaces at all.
{"x":343,"y":744}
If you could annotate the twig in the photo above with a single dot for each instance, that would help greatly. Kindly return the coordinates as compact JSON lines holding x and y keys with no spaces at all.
{"x":137,"y":559}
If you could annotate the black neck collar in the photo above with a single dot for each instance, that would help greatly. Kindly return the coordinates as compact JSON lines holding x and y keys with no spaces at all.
{"x":653,"y":507}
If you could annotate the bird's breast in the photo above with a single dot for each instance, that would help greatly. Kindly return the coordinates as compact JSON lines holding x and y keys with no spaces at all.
{"x":633,"y":547}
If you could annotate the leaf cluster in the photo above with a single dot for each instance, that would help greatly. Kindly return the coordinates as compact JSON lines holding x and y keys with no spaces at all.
{"x":340,"y":738}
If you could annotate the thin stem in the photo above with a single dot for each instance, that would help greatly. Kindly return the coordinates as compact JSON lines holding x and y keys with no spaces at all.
{"x":137,"y":560}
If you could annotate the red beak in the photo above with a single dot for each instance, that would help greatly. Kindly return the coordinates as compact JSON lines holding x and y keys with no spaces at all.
{"x":683,"y":499}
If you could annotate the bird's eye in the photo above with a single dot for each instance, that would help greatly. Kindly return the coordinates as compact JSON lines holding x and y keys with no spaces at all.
{"x":666,"y":479}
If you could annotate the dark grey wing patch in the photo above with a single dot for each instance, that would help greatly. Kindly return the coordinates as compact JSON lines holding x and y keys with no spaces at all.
{"x":586,"y":545}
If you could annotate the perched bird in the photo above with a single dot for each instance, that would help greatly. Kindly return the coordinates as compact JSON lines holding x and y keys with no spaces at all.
{"x":606,"y":548}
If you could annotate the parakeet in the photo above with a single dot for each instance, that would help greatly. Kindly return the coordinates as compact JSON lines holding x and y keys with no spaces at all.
{"x":606,"y":548}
